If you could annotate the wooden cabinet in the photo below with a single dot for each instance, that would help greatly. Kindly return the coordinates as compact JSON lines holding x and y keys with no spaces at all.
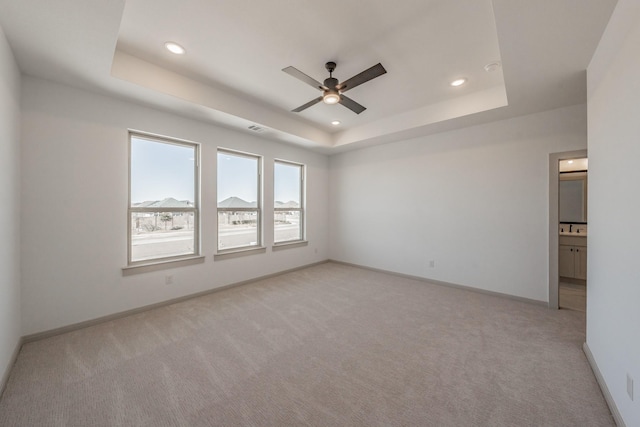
{"x":581,"y":262}
{"x":573,"y":258}
{"x":566,"y":264}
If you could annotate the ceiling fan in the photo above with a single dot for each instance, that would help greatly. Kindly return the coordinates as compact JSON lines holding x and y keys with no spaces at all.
{"x":332,"y":91}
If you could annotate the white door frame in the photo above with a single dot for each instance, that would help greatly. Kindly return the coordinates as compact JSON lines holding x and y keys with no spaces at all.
{"x":554,"y":218}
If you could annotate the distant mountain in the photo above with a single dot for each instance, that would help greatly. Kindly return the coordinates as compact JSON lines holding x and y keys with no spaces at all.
{"x":169,"y":202}
{"x":236,"y":202}
{"x":289,"y":204}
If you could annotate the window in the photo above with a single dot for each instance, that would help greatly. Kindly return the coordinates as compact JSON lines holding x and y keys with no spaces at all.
{"x":163,"y":203}
{"x":239,"y":219}
{"x":288,"y":202}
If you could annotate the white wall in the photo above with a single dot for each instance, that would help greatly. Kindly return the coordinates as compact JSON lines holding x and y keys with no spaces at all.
{"x":10,"y":212}
{"x":74,"y":199}
{"x":473,"y":200}
{"x":613,"y":303}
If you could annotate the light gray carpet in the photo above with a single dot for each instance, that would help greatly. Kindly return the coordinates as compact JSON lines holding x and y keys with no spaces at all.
{"x":330,"y":345}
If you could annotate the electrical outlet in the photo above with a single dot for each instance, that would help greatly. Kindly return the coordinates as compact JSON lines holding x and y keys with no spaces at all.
{"x":168,"y":280}
{"x":432,"y":264}
{"x":630,"y":386}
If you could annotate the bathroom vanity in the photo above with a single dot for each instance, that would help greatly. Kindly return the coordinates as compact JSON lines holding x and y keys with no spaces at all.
{"x":573,"y":256}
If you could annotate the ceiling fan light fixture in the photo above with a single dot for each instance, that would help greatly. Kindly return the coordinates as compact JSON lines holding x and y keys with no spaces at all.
{"x":174,"y":47}
{"x":331,"y":97}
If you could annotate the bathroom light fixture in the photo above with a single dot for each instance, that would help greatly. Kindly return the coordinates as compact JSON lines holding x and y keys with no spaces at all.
{"x":335,"y":122}
{"x":458,"y":82}
{"x":174,"y":47}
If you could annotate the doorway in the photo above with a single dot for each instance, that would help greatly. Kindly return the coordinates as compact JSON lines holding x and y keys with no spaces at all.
{"x":555,"y":230}
{"x":572,"y":253}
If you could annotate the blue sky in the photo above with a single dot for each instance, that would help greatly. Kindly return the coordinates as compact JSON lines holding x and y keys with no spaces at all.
{"x":237,"y":176}
{"x":286,"y":182}
{"x":161,"y":170}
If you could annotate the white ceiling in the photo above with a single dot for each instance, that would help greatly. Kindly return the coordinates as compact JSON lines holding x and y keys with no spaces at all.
{"x":231,"y":74}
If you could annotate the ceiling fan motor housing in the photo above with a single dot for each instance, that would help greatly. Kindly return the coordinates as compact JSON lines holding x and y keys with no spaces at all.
{"x":331,"y":83}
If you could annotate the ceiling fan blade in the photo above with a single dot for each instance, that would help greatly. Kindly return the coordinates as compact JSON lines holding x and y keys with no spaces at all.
{"x":351,"y":104}
{"x":368,"y":74}
{"x":307,"y":105}
{"x":303,"y":77}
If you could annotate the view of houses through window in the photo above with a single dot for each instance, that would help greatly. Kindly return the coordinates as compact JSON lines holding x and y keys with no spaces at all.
{"x":163,"y":205}
{"x":238,"y":200}
{"x":163,"y":214}
{"x":288,"y":197}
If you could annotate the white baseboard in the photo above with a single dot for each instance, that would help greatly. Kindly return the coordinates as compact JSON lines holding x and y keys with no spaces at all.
{"x":12,"y":361}
{"x":81,"y":325}
{"x":603,"y":386}
{"x":447,"y":284}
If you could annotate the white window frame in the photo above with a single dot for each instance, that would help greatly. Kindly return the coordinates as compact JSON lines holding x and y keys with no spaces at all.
{"x":300,"y":209}
{"x":196,"y":202}
{"x":257,"y":209}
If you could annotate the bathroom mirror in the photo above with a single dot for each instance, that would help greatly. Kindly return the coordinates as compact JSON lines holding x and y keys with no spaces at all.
{"x":573,"y":197}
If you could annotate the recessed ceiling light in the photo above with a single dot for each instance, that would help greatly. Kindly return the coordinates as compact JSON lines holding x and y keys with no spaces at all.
{"x":335,"y":122}
{"x":174,"y":48}
{"x":493,"y":66}
{"x":458,"y":82}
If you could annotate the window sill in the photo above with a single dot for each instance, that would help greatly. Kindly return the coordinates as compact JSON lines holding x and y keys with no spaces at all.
{"x":236,"y":253}
{"x":289,"y":245}
{"x":161,"y":265}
